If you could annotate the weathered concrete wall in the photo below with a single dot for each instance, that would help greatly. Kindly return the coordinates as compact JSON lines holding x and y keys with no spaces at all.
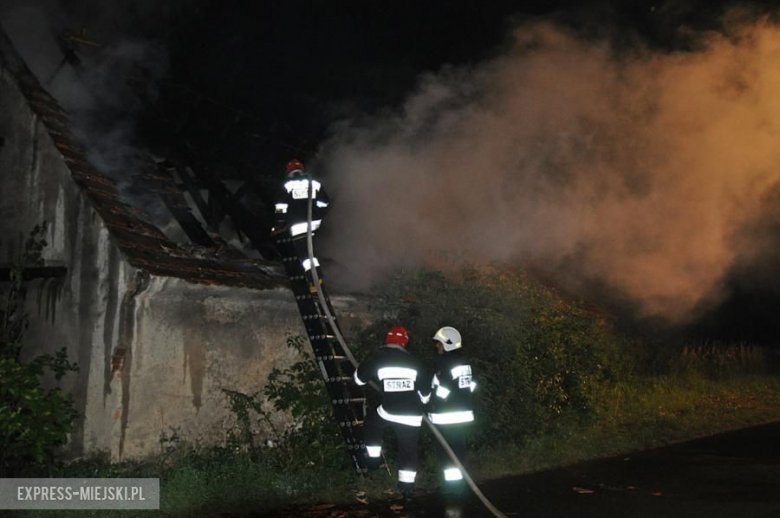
{"x":153,"y":352}
{"x":189,"y":342}
{"x":71,"y":312}
{"x":83,"y":313}
{"x":35,"y":184}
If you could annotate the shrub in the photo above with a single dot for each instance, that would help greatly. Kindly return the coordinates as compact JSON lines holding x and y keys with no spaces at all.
{"x":538,"y":361}
{"x":537,"y":357}
{"x":311,"y":437}
{"x":34,"y":422}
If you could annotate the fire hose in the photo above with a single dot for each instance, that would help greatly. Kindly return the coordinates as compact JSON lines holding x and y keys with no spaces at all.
{"x":348,"y":352}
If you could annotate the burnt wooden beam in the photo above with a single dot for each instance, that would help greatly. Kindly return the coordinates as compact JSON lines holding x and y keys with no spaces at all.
{"x":216,"y":212}
{"x":240,"y":192}
{"x":193,"y":189}
{"x":142,"y":244}
{"x":195,"y":176}
{"x":243,"y":219}
{"x":34,"y":272}
{"x":176,"y":202}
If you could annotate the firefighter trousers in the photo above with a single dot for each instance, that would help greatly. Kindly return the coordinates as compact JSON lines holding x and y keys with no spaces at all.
{"x":407,"y":447}
{"x":455,"y":435}
{"x":301,"y":247}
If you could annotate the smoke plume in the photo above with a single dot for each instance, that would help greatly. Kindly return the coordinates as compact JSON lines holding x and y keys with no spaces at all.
{"x":638,"y":170}
{"x":93,"y":85}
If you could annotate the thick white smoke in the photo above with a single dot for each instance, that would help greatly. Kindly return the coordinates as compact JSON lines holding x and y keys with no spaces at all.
{"x":638,"y":171}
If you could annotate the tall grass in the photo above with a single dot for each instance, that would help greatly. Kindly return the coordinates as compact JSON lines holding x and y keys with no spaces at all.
{"x":723,"y":359}
{"x":707,"y":388}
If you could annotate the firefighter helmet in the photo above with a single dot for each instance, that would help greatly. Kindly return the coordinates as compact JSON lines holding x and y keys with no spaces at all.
{"x":294,"y":165}
{"x":449,"y":338}
{"x":397,"y":335}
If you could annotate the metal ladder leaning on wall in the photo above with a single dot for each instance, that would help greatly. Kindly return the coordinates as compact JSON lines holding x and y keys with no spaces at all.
{"x":352,"y":430}
{"x":335,"y":366}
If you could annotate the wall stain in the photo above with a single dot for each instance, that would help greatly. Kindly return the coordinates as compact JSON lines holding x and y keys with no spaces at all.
{"x":10,"y":252}
{"x":39,"y":296}
{"x":53,"y":295}
{"x":86,"y":265}
{"x":109,"y":319}
{"x":124,"y":349}
{"x":195,"y":352}
{"x":34,"y":160}
{"x":53,"y":289}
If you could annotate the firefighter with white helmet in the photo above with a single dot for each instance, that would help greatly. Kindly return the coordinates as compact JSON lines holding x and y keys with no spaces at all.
{"x":451,"y":407}
{"x":404,"y":391}
{"x":292,"y":205}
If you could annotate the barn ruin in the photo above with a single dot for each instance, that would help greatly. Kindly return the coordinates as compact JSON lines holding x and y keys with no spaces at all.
{"x":157,"y":326}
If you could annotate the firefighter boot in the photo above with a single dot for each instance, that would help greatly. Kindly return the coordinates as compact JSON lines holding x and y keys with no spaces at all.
{"x":454,"y":490}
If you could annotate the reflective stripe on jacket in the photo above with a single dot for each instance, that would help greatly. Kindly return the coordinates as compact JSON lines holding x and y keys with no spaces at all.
{"x":292,"y":202}
{"x":402,"y":380}
{"x":452,"y":385}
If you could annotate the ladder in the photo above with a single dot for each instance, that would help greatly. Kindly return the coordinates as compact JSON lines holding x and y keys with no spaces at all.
{"x":346,"y":396}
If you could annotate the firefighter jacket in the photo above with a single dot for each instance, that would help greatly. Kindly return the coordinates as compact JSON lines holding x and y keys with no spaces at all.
{"x":403,"y":382}
{"x":292,"y":204}
{"x":452,"y":385}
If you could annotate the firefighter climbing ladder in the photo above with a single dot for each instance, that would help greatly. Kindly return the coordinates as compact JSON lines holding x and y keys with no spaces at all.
{"x":336,"y":364}
{"x":336,"y":359}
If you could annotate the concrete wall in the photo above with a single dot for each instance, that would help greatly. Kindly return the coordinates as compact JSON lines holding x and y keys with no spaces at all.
{"x":153,"y":352}
{"x":36,"y":186}
{"x":189,"y":342}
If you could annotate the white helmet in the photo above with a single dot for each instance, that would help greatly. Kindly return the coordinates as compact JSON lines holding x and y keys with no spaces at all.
{"x":449,"y":338}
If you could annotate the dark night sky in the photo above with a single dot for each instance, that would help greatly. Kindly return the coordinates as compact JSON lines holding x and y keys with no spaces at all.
{"x":293,"y":67}
{"x":289,"y":69}
{"x":297,"y":66}
{"x":248,"y":85}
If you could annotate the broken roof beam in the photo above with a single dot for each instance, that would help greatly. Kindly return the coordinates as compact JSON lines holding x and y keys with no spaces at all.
{"x":174,"y":200}
{"x":193,"y":189}
{"x":242,"y":218}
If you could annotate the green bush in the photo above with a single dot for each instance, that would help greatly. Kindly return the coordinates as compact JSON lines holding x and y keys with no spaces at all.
{"x":311,"y":437}
{"x":34,"y":422}
{"x":540,"y":363}
{"x":538,"y":359}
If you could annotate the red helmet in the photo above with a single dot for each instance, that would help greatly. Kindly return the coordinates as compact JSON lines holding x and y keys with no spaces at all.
{"x":397,"y":335}
{"x":294,"y":165}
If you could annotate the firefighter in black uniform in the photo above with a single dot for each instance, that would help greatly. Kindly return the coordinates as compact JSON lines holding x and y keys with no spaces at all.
{"x":451,"y":408}
{"x":405,"y":390}
{"x":292,"y":205}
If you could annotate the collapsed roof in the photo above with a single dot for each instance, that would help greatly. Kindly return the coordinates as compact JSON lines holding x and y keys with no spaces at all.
{"x":209,"y":261}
